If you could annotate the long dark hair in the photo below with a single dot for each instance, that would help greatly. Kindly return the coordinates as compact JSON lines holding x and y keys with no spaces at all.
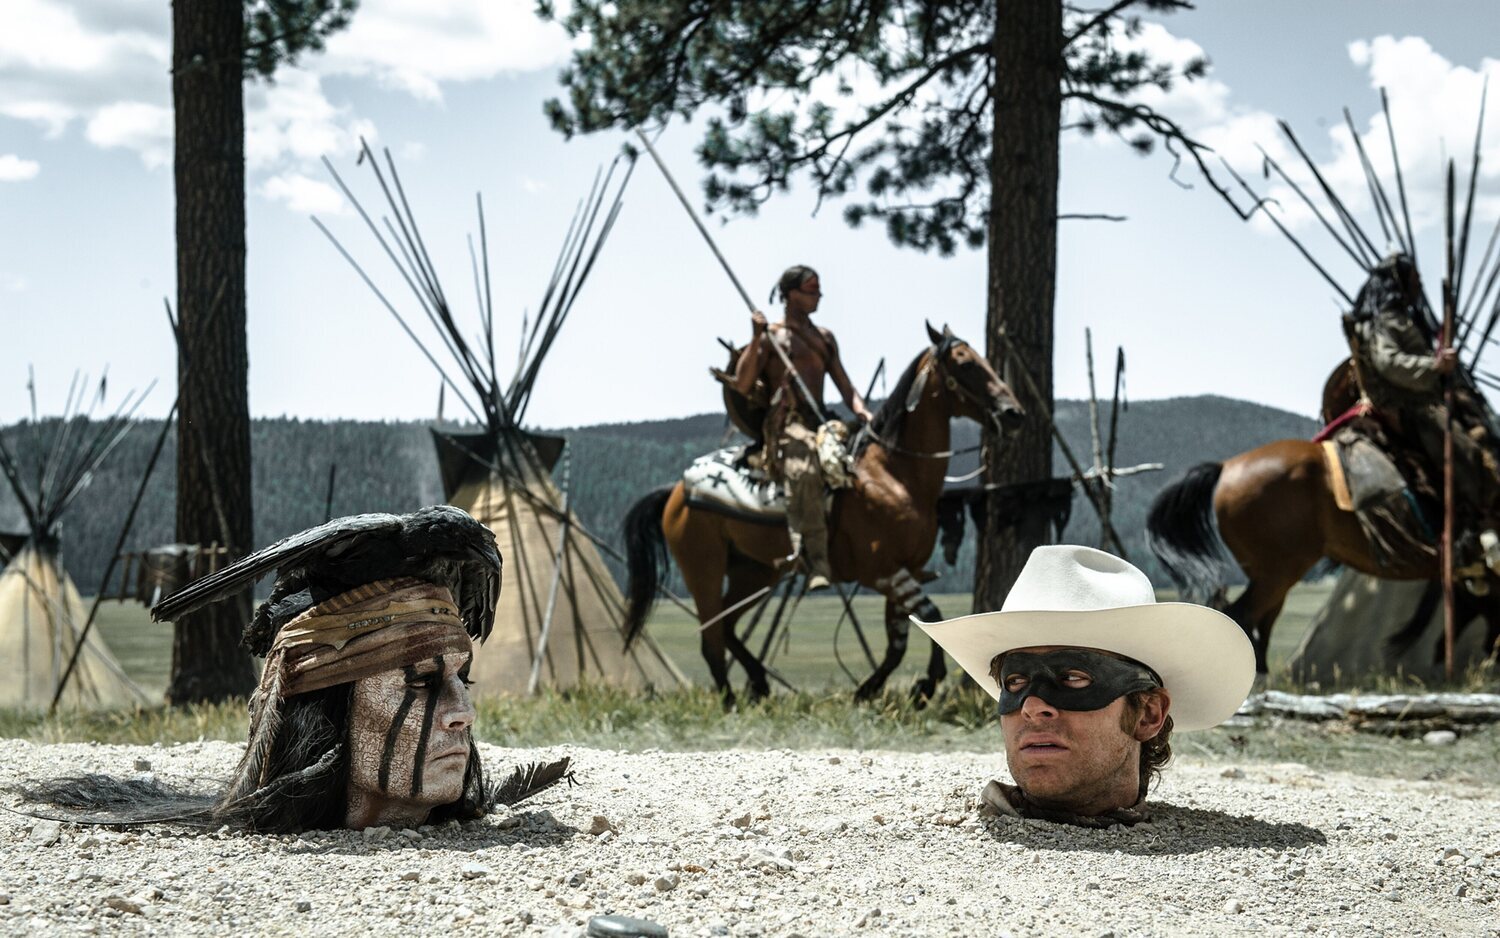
{"x":307,"y":768}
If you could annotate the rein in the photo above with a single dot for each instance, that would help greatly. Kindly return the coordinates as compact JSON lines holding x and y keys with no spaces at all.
{"x":953,"y":384}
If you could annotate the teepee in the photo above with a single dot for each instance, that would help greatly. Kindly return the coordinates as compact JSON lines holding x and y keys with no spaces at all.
{"x":41,"y":614}
{"x":560,"y":618}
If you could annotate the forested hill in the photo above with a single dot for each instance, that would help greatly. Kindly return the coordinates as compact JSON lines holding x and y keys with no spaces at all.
{"x":391,"y":467}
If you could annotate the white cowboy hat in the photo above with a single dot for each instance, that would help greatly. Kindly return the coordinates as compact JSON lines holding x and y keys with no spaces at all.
{"x":1079,"y":596}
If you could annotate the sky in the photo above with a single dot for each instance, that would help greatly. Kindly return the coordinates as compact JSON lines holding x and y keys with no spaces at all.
{"x":1202,"y":302}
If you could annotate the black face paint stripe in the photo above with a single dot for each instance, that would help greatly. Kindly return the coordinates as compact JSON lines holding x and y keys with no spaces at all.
{"x":419,"y":761}
{"x":395,"y":730}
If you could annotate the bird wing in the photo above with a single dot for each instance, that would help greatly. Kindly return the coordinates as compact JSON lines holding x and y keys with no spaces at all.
{"x":328,"y":539}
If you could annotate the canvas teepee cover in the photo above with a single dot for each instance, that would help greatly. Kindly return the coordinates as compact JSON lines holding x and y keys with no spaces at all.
{"x":1350,"y":636}
{"x":560,"y":620}
{"x":41,"y":616}
{"x":560,"y":613}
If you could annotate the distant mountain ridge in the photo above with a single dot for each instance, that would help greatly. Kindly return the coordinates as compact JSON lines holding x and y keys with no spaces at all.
{"x":391,"y":467}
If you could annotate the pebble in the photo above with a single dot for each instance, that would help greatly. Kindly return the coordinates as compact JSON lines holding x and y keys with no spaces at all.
{"x":374,"y":835}
{"x":1232,"y":773}
{"x":1234,"y":907}
{"x":868,"y":918}
{"x":1440,"y":738}
{"x":303,"y":905}
{"x":121,"y":904}
{"x":45,"y":833}
{"x":473,"y":870}
{"x":668,"y":882}
{"x":141,"y":765}
{"x":600,"y":825}
{"x":411,"y":876}
{"x":742,"y":822}
{"x":623,"y":926}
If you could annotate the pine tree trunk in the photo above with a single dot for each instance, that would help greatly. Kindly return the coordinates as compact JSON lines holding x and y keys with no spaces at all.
{"x":213,"y":430}
{"x":1023,"y":266}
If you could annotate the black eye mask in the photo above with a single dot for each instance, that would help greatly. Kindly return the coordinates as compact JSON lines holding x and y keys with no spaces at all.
{"x":1043,"y":674}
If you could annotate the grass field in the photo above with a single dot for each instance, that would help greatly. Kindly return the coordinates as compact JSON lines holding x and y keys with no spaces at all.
{"x":820,"y":715}
{"x":803,"y":654}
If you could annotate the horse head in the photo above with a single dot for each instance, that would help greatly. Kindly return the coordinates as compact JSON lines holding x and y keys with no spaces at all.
{"x":976,"y":390}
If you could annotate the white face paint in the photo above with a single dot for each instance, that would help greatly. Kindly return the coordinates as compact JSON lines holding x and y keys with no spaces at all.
{"x":409,"y":741}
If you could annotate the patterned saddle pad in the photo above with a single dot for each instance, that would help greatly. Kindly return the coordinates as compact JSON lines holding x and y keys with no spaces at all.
{"x":724,"y":482}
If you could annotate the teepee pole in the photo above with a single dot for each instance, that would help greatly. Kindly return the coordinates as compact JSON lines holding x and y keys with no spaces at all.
{"x":140,"y":492}
{"x":557,"y":566}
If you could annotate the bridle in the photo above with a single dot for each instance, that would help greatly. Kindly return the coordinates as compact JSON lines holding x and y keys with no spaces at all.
{"x":937,"y":363}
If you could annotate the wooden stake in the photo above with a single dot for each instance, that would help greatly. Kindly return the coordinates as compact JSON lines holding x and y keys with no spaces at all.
{"x":1449,"y":304}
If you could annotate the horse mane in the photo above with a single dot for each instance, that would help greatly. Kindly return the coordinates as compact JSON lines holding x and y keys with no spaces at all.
{"x":892,"y":413}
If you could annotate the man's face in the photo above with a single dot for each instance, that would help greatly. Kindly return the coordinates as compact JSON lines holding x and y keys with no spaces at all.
{"x":1081,"y":761}
{"x":409,"y":741}
{"x":805,"y":298}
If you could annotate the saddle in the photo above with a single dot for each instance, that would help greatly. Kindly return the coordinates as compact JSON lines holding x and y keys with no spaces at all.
{"x":726,"y":481}
{"x":1402,"y":520}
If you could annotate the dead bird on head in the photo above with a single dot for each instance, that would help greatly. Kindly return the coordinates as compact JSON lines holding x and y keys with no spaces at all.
{"x":440,"y":544}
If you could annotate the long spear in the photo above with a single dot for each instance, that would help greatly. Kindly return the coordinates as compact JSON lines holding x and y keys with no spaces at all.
{"x":693,"y":214}
{"x":1449,"y":304}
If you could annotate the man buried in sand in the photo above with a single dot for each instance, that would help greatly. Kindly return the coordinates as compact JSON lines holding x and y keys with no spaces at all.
{"x":1092,"y":675}
{"x":362,"y":717}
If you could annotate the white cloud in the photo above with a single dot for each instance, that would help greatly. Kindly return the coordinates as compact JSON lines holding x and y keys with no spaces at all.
{"x":12,"y":283}
{"x":15,"y":169}
{"x":143,"y":128}
{"x":105,"y":66}
{"x":1434,"y":104}
{"x":418,"y":45}
{"x":303,"y":194}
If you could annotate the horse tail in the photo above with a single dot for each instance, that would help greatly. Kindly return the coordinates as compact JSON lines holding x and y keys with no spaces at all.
{"x":1183,"y":532}
{"x":646,"y":558}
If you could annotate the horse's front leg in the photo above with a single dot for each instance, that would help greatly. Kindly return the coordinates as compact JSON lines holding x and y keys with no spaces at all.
{"x":896,"y":630}
{"x":937,"y":663}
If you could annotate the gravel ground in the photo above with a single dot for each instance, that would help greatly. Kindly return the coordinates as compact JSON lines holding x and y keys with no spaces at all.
{"x":781,"y":843}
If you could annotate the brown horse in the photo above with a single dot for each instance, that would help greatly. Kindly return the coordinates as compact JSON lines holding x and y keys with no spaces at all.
{"x":1272,"y":511}
{"x":881,"y":529}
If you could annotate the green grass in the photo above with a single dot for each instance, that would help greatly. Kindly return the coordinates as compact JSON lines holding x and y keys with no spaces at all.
{"x":803,"y":653}
{"x":820,"y":714}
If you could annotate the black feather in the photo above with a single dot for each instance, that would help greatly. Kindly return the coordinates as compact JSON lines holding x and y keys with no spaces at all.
{"x":440,"y":544}
{"x":527,"y":780}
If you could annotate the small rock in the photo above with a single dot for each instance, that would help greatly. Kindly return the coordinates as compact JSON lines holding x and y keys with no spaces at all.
{"x":668,"y":882}
{"x":45,"y":833}
{"x":868,"y":918}
{"x":742,"y":822}
{"x":473,"y":870}
{"x":463,"y":913}
{"x":636,"y":879}
{"x":605,"y":837}
{"x":1475,"y":863}
{"x":143,"y":765}
{"x":623,"y":926}
{"x":576,"y":879}
{"x":600,"y":825}
{"x":4,"y":899}
{"x":374,"y":835}
{"x":303,"y":905}
{"x":1440,"y":738}
{"x":408,"y":834}
{"x":1461,"y":890}
{"x":121,"y":904}
{"x":1234,"y":907}
{"x":411,"y":876}
{"x":743,"y":904}
{"x":1232,"y":773}
{"x":834,"y":760}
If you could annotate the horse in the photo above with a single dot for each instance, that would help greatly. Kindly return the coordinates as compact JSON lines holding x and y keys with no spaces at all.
{"x":1273,"y":512}
{"x":881,"y":529}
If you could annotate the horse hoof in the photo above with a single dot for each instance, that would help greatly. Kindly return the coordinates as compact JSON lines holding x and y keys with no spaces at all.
{"x":868,"y":691}
{"x":922,"y":691}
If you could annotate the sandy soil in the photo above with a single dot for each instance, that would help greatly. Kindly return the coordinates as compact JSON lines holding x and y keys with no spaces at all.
{"x":781,"y":843}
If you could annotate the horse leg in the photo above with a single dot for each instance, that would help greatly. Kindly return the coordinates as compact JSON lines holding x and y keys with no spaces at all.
{"x":745,"y":578}
{"x":937,"y":669}
{"x":704,"y":578}
{"x":1255,"y":612}
{"x":896,"y":629}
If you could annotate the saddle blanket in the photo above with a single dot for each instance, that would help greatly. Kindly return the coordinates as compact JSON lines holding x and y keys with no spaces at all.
{"x":724,"y":482}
